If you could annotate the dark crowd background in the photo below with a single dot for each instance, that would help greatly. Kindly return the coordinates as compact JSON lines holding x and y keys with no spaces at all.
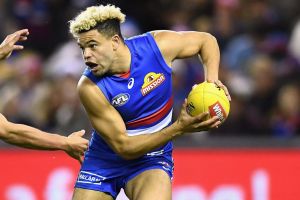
{"x":260,"y":60}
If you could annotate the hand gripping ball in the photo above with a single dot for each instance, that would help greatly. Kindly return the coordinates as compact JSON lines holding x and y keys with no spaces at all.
{"x":208,"y":97}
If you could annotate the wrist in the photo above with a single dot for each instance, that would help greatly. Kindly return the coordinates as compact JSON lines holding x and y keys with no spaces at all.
{"x":64,"y":144}
{"x":211,"y":80}
{"x":176,"y":129}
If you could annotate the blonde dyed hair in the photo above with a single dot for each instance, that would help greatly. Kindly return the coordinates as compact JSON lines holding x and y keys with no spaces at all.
{"x":92,"y":16}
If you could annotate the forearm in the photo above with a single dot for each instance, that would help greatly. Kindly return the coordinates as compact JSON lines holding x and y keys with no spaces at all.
{"x":32,"y":138}
{"x":210,"y":56}
{"x":131,"y":147}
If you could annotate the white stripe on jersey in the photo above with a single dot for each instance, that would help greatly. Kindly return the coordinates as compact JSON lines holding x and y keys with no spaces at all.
{"x":152,"y":129}
{"x":156,"y":153}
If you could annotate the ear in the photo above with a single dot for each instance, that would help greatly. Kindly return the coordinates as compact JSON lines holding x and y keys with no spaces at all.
{"x":116,"y":41}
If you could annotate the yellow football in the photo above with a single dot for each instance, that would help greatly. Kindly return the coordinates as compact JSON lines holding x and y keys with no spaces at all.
{"x":207,"y":97}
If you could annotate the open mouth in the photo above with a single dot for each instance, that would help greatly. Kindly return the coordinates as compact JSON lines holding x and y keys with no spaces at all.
{"x":91,"y":65}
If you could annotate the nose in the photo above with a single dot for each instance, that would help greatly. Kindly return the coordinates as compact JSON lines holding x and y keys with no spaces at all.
{"x":86,"y":54}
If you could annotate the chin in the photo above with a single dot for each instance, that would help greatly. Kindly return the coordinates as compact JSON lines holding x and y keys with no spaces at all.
{"x":98,"y":73}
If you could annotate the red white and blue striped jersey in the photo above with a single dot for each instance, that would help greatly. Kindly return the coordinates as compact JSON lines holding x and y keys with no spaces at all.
{"x":143,"y":96}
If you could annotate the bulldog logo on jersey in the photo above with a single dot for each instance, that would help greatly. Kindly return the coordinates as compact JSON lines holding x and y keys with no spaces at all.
{"x":152,"y":81}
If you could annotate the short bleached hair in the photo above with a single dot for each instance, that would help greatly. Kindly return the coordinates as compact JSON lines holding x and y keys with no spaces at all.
{"x":94,"y":15}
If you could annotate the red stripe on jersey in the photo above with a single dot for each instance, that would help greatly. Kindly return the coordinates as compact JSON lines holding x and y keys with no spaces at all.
{"x":152,"y":118}
{"x":125,"y":75}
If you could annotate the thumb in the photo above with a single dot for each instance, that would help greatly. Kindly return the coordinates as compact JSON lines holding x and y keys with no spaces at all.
{"x":184,"y":107}
{"x":80,"y":133}
{"x":184,"y":103}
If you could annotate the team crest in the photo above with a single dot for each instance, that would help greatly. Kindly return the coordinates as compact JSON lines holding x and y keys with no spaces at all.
{"x":152,"y":81}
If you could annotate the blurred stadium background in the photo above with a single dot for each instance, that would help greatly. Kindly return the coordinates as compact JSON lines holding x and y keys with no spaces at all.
{"x":255,"y":155}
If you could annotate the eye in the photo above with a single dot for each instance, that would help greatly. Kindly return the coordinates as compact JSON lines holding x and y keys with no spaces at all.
{"x":82,"y":49}
{"x":92,"y":46}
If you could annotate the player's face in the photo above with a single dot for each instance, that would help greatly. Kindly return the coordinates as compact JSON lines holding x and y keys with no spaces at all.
{"x":97,"y":51}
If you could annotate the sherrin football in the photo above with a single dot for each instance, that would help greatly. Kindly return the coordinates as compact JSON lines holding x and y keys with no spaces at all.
{"x":208,"y":97}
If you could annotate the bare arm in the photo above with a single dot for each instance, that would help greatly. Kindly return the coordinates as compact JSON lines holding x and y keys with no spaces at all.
{"x":29,"y":137}
{"x":107,"y":121}
{"x":185,"y":44}
{"x":32,"y":138}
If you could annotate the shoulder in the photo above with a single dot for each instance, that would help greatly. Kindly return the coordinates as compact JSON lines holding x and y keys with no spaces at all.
{"x":86,"y":86}
{"x":158,"y":35}
{"x":90,"y":95}
{"x":165,"y":42}
{"x":164,"y":35}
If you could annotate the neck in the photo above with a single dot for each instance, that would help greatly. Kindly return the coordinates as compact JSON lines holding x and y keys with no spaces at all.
{"x":122,"y":61}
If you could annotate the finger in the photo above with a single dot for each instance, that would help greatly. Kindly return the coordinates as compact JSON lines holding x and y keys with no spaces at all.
{"x":83,"y":148}
{"x":17,"y":36}
{"x":22,"y":32}
{"x":227,"y":94}
{"x":81,"y":158}
{"x":218,"y":83}
{"x":18,"y":47}
{"x":224,"y":88}
{"x":81,"y":151}
{"x":209,"y":122}
{"x":86,"y":142}
{"x":216,"y":124}
{"x":201,"y":116}
{"x":23,"y":38}
{"x":80,"y":133}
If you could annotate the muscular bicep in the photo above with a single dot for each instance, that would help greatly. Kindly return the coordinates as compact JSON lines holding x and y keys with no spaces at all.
{"x":183,"y":44}
{"x":104,"y":118}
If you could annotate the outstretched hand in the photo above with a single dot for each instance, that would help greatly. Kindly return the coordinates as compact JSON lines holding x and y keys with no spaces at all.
{"x":77,"y":145}
{"x":9,"y":43}
{"x":188,"y":123}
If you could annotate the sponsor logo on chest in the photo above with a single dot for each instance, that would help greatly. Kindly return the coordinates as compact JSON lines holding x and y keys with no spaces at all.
{"x":152,"y":81}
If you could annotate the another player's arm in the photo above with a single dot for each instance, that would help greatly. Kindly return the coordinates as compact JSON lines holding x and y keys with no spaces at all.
{"x":32,"y":138}
{"x":108,"y":122}
{"x":191,"y":43}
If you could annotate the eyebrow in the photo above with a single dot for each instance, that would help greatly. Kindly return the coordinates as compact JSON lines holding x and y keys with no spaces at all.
{"x":90,"y":41}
